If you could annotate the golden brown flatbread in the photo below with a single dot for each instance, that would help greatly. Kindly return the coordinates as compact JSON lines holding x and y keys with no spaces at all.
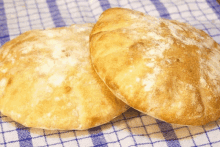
{"x":47,"y":81}
{"x":164,"y":68}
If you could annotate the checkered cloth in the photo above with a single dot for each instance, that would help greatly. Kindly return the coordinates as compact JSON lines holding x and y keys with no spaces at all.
{"x":131,"y":128}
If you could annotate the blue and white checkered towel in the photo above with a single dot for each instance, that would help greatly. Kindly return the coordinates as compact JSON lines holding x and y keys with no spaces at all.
{"x":131,"y":128}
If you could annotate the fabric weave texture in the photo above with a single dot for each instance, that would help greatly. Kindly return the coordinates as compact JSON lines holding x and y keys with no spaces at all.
{"x":132,"y":128}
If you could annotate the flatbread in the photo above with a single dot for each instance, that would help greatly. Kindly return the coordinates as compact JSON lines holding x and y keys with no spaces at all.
{"x":164,"y":68}
{"x":47,"y":81}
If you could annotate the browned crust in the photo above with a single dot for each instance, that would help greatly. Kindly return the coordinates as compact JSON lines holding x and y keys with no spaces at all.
{"x":164,"y":68}
{"x":47,"y":81}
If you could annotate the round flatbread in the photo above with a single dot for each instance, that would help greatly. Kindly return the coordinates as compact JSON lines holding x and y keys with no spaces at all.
{"x":164,"y":68}
{"x":47,"y":81}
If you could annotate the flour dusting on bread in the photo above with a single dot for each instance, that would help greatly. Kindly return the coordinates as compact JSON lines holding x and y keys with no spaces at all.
{"x":175,"y":67}
{"x":47,"y":81}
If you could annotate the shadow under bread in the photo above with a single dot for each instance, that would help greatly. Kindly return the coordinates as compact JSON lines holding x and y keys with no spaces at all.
{"x":37,"y":132}
{"x":139,"y":124}
{"x":132,"y":121}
